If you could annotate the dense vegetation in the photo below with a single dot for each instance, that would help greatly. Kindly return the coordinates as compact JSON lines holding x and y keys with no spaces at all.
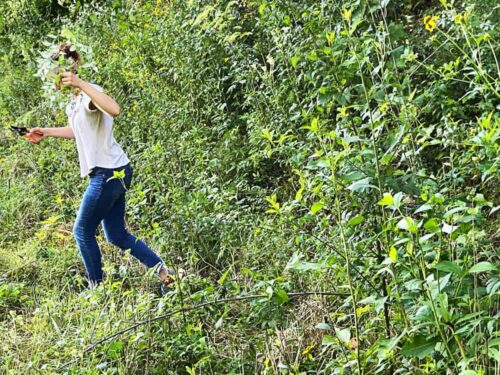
{"x":279,"y":147}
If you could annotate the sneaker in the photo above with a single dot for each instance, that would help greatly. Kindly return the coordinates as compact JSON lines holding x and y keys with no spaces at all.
{"x":168,"y":284}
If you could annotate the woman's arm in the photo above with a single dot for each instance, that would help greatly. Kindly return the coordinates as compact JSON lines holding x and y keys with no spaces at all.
{"x":99,"y":99}
{"x":38,"y":134}
{"x":64,"y":132}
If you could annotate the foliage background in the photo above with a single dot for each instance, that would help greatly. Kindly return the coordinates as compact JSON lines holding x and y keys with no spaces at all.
{"x":277,"y":146}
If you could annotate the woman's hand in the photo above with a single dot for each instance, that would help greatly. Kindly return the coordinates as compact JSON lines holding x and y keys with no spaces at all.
{"x":36,"y":135}
{"x":71,"y":79}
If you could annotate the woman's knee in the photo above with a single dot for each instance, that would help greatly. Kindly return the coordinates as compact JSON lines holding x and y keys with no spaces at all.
{"x":119,"y":239}
{"x":83,"y":232}
{"x":78,"y":230}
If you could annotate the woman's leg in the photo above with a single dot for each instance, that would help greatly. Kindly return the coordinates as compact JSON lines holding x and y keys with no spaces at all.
{"x":115,"y":232}
{"x":92,"y":208}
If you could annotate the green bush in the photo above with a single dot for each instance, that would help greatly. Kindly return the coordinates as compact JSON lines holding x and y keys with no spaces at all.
{"x":278,"y":146}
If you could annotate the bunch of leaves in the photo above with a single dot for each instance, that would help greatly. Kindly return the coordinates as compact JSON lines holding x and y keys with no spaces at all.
{"x":50,"y":68}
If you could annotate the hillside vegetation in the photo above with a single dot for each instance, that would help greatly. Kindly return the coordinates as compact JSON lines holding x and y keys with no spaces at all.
{"x":326,"y":173}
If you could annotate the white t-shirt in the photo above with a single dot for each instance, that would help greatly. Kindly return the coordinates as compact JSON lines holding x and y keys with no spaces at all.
{"x":93,"y":131}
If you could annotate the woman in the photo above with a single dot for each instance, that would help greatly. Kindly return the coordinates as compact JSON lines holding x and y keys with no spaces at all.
{"x":90,"y":114}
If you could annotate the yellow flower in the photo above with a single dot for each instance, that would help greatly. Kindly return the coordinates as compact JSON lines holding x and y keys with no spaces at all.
{"x":361,"y":310}
{"x":486,"y":37}
{"x":307,"y":350}
{"x":346,"y":14}
{"x":383,"y":107}
{"x":342,"y":112}
{"x":430,"y":22}
{"x":458,"y":18}
{"x":59,"y":199}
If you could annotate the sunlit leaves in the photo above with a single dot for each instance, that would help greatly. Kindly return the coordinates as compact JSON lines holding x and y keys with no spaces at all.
{"x":393,"y":254}
{"x":387,"y":200}
{"x":275,"y":206}
{"x":294,"y":60}
{"x":314,"y":126}
{"x":279,"y":296}
{"x":317,"y":206}
{"x":356,"y":220}
{"x":268,"y":134}
{"x":346,"y":14}
{"x":408,"y":224}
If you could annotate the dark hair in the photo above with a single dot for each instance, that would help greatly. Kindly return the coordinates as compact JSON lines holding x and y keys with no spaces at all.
{"x":65,"y":50}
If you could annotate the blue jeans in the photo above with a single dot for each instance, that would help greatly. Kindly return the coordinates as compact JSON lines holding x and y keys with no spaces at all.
{"x":105,"y":201}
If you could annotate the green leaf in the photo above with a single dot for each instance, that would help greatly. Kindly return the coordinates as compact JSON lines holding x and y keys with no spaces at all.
{"x":312,"y":56}
{"x":313,"y":126}
{"x":219,"y":322}
{"x":432,"y":225}
{"x":317,"y":206}
{"x":356,"y":220}
{"x":344,"y":335}
{"x":425,"y":238}
{"x":324,"y":326}
{"x":262,"y":7}
{"x":393,"y":254}
{"x":420,"y":347}
{"x":330,"y":36}
{"x":68,"y":34}
{"x":223,"y":277}
{"x":379,"y":304}
{"x":272,"y":201}
{"x":408,"y":224}
{"x":298,"y":195}
{"x":294,"y":60}
{"x":203,"y":15}
{"x":436,"y":286}
{"x":307,"y":266}
{"x":280,"y":297}
{"x":268,"y":134}
{"x":494,"y":342}
{"x":423,"y":208}
{"x":117,"y":174}
{"x":483,"y":267}
{"x":443,"y":307}
{"x":329,"y":340}
{"x":454,"y":211}
{"x":114,"y":349}
{"x":485,"y":122}
{"x":447,"y":266}
{"x":424,"y":314}
{"x":387,"y":200}
{"x":362,"y":185}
